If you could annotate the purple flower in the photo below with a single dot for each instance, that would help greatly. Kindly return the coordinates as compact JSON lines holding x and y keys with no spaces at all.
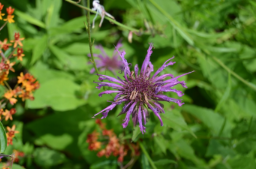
{"x":105,"y":62}
{"x":141,"y":91}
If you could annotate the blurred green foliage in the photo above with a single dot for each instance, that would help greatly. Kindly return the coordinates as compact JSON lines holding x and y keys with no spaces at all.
{"x":215,"y":128}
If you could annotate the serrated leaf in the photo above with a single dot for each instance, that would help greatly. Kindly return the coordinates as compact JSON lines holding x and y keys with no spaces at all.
{"x":175,"y":120}
{"x":211,"y":119}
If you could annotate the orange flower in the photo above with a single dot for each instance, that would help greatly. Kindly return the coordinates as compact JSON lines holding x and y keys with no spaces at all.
{"x":10,"y":17}
{"x":9,"y":95}
{"x":1,"y":14}
{"x":92,"y":137}
{"x":9,"y":141}
{"x":17,"y":154}
{"x":1,"y":7}
{"x":3,"y":77}
{"x":13,"y":111}
{"x":95,"y":146}
{"x":11,"y":131}
{"x":1,"y":112}
{"x":26,"y":95}
{"x":9,"y":10}
{"x":99,"y":122}
{"x":10,"y":65}
{"x":21,"y":78}
{"x":7,"y":115}
{"x":19,"y":54}
{"x":17,"y":40}
{"x":4,"y":45}
{"x":28,"y":81}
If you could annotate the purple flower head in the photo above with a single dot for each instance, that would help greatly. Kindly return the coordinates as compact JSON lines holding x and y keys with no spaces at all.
{"x":141,"y":91}
{"x":105,"y":62}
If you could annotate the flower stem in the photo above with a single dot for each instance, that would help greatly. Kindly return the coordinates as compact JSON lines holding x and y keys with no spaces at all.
{"x":111,"y":20}
{"x":2,"y":54}
{"x":3,"y":26}
{"x":147,"y":155}
{"x":234,"y":74}
{"x":88,"y":27}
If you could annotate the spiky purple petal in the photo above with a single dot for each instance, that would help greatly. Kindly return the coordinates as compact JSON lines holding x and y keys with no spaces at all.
{"x":142,"y":128}
{"x":140,"y":92}
{"x":108,"y":92}
{"x":166,"y":63}
{"x":146,"y":60}
{"x":156,"y":113}
{"x":127,"y":117}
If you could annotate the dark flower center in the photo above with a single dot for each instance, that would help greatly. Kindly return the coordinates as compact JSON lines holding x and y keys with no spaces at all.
{"x":139,"y":89}
{"x":111,"y":63}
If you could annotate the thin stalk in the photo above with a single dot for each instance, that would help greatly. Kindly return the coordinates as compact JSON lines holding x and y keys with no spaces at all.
{"x":111,"y":20}
{"x":2,"y":54}
{"x":84,"y":4}
{"x":8,"y":86}
{"x":11,"y":53}
{"x":3,"y":26}
{"x":148,"y":157}
{"x":89,"y":36}
{"x":234,"y":74}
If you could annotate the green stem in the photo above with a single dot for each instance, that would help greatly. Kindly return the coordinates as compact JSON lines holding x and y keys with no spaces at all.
{"x":89,"y":37}
{"x":148,"y":157}
{"x":111,"y":20}
{"x":84,"y":4}
{"x":234,"y":74}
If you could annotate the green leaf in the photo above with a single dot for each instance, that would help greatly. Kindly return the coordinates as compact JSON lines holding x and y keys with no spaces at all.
{"x":161,"y":143}
{"x":14,"y":166}
{"x":164,"y":162}
{"x":184,"y":149}
{"x":39,"y":49}
{"x":77,"y":49}
{"x":105,"y":165}
{"x":174,"y":23}
{"x":211,"y":119}
{"x":64,"y":135}
{"x":46,"y":157}
{"x":52,"y":17}
{"x":29,"y":19}
{"x":68,"y":61}
{"x":144,"y":162}
{"x":175,"y":120}
{"x":243,"y":162}
{"x":60,"y":94}
{"x":136,"y":133}
{"x":48,"y":74}
{"x":225,"y":95}
{"x":68,"y":27}
{"x":147,"y":155}
{"x":3,"y":139}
